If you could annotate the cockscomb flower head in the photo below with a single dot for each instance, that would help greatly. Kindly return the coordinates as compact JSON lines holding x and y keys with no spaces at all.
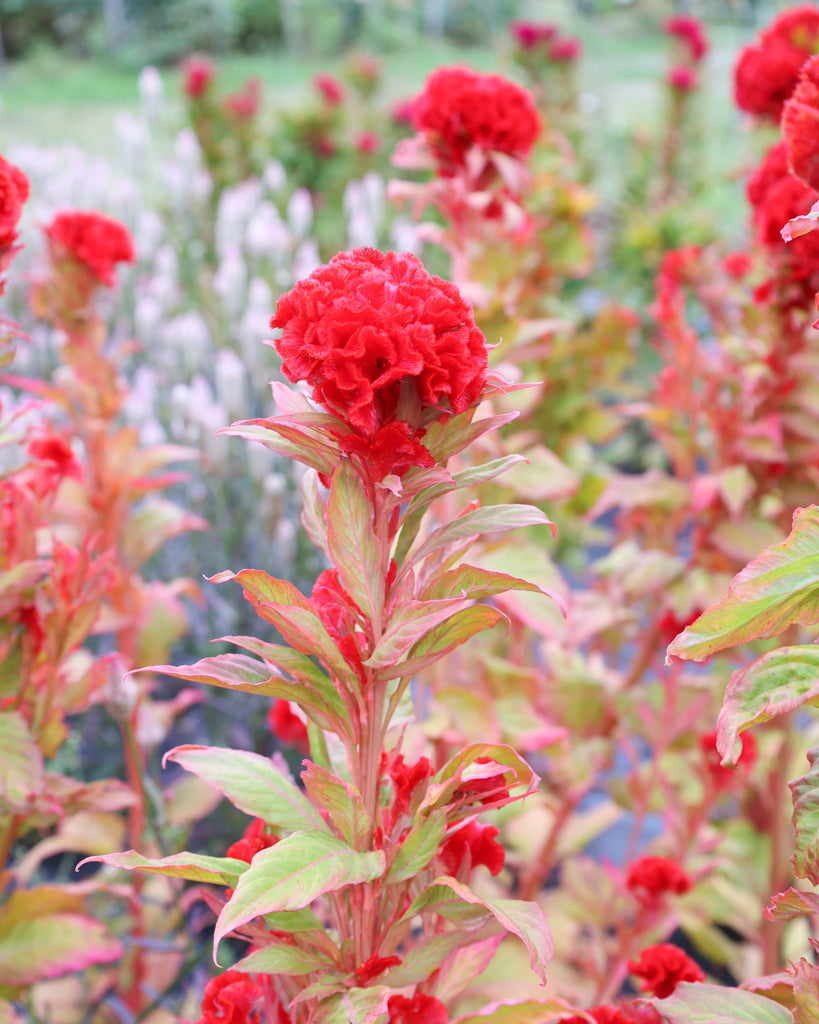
{"x":14,"y":190}
{"x":330,"y":88}
{"x":231,"y":999}
{"x":379,"y":339}
{"x":198,"y":73}
{"x":682,"y":78}
{"x":800,"y":125}
{"x":460,"y":108}
{"x":531,"y":34}
{"x":663,"y":967}
{"x":92,"y":239}
{"x":691,"y":32}
{"x":649,"y":879}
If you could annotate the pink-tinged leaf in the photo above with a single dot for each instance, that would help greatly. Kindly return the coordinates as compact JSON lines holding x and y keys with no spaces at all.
{"x":472,"y":582}
{"x":355,"y":1006}
{"x":778,"y":589}
{"x":305,"y":631}
{"x":341,"y":800}
{"x":443,"y":440}
{"x":442,"y":639}
{"x":778,"y":682}
{"x":53,"y":945}
{"x":307,"y":442}
{"x":494,"y":519}
{"x":260,"y":589}
{"x":645,"y":490}
{"x":797,"y":226}
{"x":488,"y":471}
{"x":155,"y":521}
{"x":701,"y":1003}
{"x":286,"y":659}
{"x":464,"y":766}
{"x":284,"y":959}
{"x":793,"y":903}
{"x":289,"y":400}
{"x":21,"y":763}
{"x":293,"y":873}
{"x":530,"y":1012}
{"x":526,"y":920}
{"x":805,"y":793}
{"x":354,"y":549}
{"x":423,"y":958}
{"x":314,"y":506}
{"x":411,"y":622}
{"x":253,"y":784}
{"x":418,"y":847}
{"x":465,"y":964}
{"x":193,"y":867}
{"x":17,"y":580}
{"x":805,"y":992}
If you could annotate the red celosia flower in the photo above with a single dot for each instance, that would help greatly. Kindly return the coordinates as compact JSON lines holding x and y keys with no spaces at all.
{"x":530,"y":34}
{"x":682,"y":78}
{"x":405,"y":780}
{"x":394,"y":449}
{"x":13,"y":194}
{"x":737,"y":265}
{"x":230,"y":999}
{"x":767,"y":71}
{"x":253,"y":840}
{"x":330,"y":88}
{"x":372,"y":328}
{"x":626,"y":1013}
{"x":199,"y":72}
{"x":478,"y":843}
{"x":373,"y":967}
{"x":244,"y":105}
{"x":800,"y":125}
{"x":460,"y":108}
{"x":722,"y":777}
{"x":287,"y":726}
{"x":339,"y":615}
{"x":691,"y":32}
{"x":663,"y":967}
{"x":421,"y":1009}
{"x":92,"y":239}
{"x":650,"y":878}
{"x":402,"y":111}
{"x":55,"y":452}
{"x":367,"y":143}
{"x":565,"y":50}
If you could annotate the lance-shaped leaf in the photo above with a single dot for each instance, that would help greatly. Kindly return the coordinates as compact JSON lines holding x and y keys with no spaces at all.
{"x":805,"y":992}
{"x":423,"y":958}
{"x":443,"y":440}
{"x":291,"y":874}
{"x":283,"y":959}
{"x":21,"y":763}
{"x":701,"y":1003}
{"x":774,"y":591}
{"x":494,"y":519}
{"x":354,"y":548}
{"x":292,"y":662}
{"x":793,"y":903}
{"x":778,"y":682}
{"x":306,"y":632}
{"x":805,"y":793}
{"x":51,"y":945}
{"x":355,"y":1006}
{"x":410,"y":624}
{"x":238,"y":672}
{"x":530,"y":1012}
{"x":313,"y":511}
{"x":193,"y":867}
{"x":341,"y":800}
{"x":307,"y":437}
{"x":418,"y":847}
{"x":526,"y":920}
{"x":259,"y":588}
{"x":253,"y":784}
{"x":470,"y":581}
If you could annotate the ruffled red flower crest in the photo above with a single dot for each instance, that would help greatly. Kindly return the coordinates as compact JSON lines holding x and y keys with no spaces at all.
{"x":650,"y":878}
{"x":663,"y":967}
{"x":800,"y":125}
{"x":421,"y":1009}
{"x":230,"y":999}
{"x":460,"y":108}
{"x":371,"y":330}
{"x":13,"y":195}
{"x":476,"y":842}
{"x":253,"y":840}
{"x":691,"y":32}
{"x":96,"y":241}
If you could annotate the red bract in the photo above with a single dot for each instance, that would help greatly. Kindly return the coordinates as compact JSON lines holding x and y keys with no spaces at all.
{"x":663,"y":967}
{"x":373,"y":967}
{"x":691,"y":32}
{"x":722,"y":777}
{"x":800,"y":125}
{"x":460,"y":108}
{"x":767,"y":71}
{"x":476,"y":841}
{"x":330,"y":88}
{"x":55,"y":452}
{"x":253,"y":840}
{"x":650,"y":878}
{"x":371,"y":329}
{"x":565,"y":50}
{"x":394,"y":449}
{"x":230,"y":999}
{"x":198,"y":73}
{"x":287,"y":726}
{"x":682,"y":78}
{"x":13,"y":194}
{"x":96,"y":241}
{"x":406,"y":779}
{"x":421,"y":1009}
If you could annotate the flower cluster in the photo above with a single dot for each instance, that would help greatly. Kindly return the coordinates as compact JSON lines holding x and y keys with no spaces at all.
{"x":460,"y":109}
{"x":91,"y":239}
{"x":379,"y":339}
{"x":650,"y":878}
{"x":13,"y":194}
{"x":231,"y":998}
{"x":800,"y":125}
{"x":531,"y":34}
{"x":330,"y":88}
{"x":421,"y":1009}
{"x":663,"y":967}
{"x":767,"y":71}
{"x":198,"y":74}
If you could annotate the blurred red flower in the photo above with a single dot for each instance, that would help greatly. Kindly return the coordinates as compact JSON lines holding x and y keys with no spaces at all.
{"x":479,"y":843}
{"x":682,"y":78}
{"x":663,"y":967}
{"x":198,"y":73}
{"x":650,"y":878}
{"x":14,"y":190}
{"x":96,"y":241}
{"x":286,"y":726}
{"x":800,"y":125}
{"x":230,"y":999}
{"x":330,"y":88}
{"x":421,"y":1009}
{"x":691,"y":32}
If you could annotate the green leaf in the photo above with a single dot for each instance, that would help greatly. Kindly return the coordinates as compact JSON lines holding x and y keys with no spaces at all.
{"x":425,"y":957}
{"x":793,"y":903}
{"x":778,"y":682}
{"x":154,"y":522}
{"x":354,"y":548}
{"x":52,"y":945}
{"x":778,"y":589}
{"x":526,"y":920}
{"x":494,"y":519}
{"x":259,"y":588}
{"x":17,"y":580}
{"x":21,"y":763}
{"x":700,"y":1003}
{"x":313,"y":512}
{"x":283,"y":959}
{"x":355,"y":1006}
{"x":313,"y":448}
{"x":191,"y":866}
{"x":253,"y":784}
{"x":470,"y":581}
{"x":805,"y":793}
{"x":412,"y":621}
{"x":443,"y":440}
{"x":292,"y":662}
{"x":531,"y":1012}
{"x":418,"y":847}
{"x":293,"y":873}
{"x":341,"y":800}
{"x":805,"y":992}
{"x":304,"y":630}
